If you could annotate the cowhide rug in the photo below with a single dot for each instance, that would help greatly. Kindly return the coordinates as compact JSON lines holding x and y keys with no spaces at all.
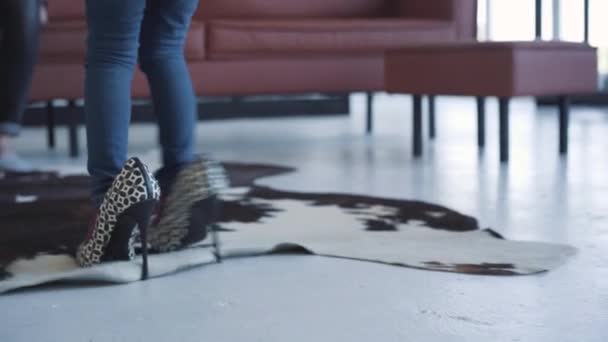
{"x":43,"y":217}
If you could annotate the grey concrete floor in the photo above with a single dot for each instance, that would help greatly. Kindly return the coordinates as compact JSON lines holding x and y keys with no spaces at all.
{"x":538,"y":196}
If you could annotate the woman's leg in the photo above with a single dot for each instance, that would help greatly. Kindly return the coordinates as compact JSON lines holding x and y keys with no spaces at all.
{"x":161,"y":57}
{"x":114,"y":27}
{"x":19,"y":36}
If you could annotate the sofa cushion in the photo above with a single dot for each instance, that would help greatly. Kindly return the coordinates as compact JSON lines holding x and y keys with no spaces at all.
{"x":223,"y":9}
{"x":232,"y":37}
{"x":66,"y":41}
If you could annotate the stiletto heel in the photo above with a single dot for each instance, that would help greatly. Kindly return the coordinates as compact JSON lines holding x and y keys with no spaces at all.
{"x":216,"y":242}
{"x":215,"y":231}
{"x":143,"y":230}
{"x":143,"y":222}
{"x":131,"y":225}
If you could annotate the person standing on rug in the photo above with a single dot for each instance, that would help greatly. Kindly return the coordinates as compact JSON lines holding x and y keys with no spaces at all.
{"x":151,"y":32}
{"x":19,"y":35}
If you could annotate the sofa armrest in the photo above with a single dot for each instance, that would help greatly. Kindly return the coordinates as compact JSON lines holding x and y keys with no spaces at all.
{"x":463,"y":13}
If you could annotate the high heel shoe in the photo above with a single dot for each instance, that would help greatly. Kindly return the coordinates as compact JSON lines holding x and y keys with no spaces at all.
{"x":190,"y":209}
{"x":122,"y":219}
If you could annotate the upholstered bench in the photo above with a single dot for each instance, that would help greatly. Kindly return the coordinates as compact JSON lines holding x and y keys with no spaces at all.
{"x":501,"y":69}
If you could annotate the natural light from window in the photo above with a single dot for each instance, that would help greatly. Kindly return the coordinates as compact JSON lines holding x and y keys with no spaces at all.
{"x":515,"y":20}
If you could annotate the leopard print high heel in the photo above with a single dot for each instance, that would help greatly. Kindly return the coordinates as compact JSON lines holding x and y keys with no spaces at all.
{"x":122,"y":219}
{"x":189,"y":211}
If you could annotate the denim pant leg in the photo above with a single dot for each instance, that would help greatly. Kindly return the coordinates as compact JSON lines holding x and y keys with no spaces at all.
{"x":114,"y":28}
{"x":19,"y":35}
{"x":161,"y":57}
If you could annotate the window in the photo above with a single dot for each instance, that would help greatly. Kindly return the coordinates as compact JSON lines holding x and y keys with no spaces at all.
{"x":564,"y":19}
{"x":598,"y":32}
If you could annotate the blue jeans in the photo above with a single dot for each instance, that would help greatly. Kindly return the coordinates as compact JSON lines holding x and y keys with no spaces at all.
{"x":121,"y":33}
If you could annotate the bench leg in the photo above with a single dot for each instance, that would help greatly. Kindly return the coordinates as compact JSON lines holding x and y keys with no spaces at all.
{"x":481,"y":121}
{"x":432,"y":128}
{"x":73,"y":121}
{"x":370,"y":113}
{"x":564,"y":118}
{"x":50,"y":124}
{"x":417,"y":125}
{"x":503,"y":104}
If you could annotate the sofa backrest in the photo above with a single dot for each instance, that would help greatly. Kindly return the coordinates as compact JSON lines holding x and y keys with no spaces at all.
{"x":66,"y":9}
{"x":75,"y":9}
{"x":462,"y":12}
{"x":287,"y":9}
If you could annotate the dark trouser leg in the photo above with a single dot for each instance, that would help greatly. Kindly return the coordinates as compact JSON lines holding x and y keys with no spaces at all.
{"x":19,"y":28}
{"x":432,"y":128}
{"x":417,"y":125}
{"x":564,"y":118}
{"x":503,"y":104}
{"x":481,"y":121}
{"x":370,"y":113}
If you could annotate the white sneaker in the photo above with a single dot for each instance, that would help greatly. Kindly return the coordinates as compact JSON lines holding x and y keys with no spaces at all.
{"x":12,"y":163}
